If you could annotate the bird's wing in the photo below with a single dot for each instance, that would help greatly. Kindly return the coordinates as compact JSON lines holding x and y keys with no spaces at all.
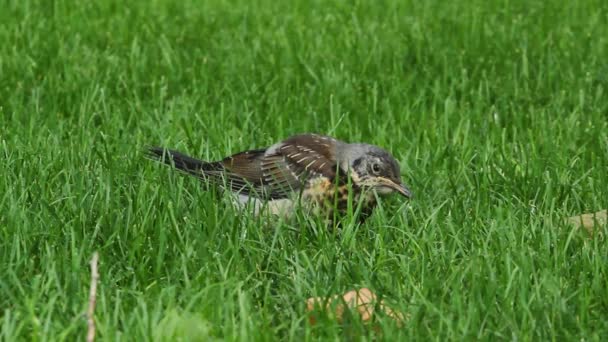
{"x":241,"y":172}
{"x":281,"y":169}
{"x":287,"y":166}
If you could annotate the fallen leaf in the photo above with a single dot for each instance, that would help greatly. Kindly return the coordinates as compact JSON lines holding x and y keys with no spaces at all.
{"x":590,"y":221}
{"x":362,"y":300}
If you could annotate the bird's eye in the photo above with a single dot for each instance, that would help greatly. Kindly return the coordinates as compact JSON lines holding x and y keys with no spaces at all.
{"x":376,"y":168}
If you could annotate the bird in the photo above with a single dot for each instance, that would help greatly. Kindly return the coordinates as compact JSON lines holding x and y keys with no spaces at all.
{"x":316,"y":171}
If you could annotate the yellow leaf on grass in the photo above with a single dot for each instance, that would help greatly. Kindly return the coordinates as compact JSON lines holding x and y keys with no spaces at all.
{"x":363,"y":301}
{"x":590,"y":221}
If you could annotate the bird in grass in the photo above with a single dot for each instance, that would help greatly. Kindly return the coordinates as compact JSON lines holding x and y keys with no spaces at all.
{"x":316,"y":171}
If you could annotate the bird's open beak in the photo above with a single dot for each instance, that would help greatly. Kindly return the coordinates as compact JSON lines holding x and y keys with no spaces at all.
{"x":399,"y":187}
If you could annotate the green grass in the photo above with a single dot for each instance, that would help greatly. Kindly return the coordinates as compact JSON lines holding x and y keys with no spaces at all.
{"x":497,"y":110}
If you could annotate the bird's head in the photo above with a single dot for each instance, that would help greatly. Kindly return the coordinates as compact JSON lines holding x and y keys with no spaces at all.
{"x":374,"y":168}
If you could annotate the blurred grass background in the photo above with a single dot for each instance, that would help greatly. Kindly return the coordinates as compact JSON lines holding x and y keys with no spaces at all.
{"x":496,"y":109}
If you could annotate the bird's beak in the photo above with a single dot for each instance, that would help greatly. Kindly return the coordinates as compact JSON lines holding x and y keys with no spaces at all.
{"x":399,"y":187}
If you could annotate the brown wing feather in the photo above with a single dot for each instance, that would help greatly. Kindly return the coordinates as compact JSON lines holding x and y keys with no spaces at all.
{"x":278,"y":173}
{"x":296,"y":160}
{"x":246,"y":165}
{"x":319,"y":148}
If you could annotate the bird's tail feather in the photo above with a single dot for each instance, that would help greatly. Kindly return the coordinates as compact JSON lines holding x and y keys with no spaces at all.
{"x":183,"y":162}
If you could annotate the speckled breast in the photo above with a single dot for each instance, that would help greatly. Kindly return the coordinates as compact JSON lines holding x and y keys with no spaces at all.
{"x":329,"y":198}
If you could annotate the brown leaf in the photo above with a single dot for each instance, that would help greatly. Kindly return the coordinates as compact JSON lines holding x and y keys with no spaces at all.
{"x":590,"y":221}
{"x":363,"y":300}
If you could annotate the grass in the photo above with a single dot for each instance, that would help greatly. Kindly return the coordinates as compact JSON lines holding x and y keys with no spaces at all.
{"x":497,"y":111}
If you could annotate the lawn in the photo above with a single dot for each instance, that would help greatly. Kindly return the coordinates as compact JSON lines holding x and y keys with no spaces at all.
{"x":496,"y":110}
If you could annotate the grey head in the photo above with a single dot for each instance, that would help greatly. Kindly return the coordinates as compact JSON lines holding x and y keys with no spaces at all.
{"x":372,"y":167}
